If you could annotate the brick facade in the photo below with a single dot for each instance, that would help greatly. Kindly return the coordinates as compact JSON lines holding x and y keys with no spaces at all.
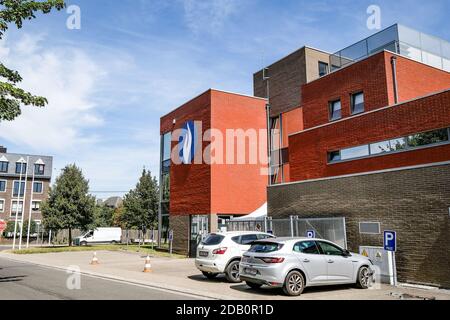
{"x":308,"y":149}
{"x":413,"y":202}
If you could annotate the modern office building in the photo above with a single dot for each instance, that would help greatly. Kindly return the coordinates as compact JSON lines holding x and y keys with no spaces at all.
{"x":201,"y":185}
{"x":24,"y":184}
{"x":374,"y":148}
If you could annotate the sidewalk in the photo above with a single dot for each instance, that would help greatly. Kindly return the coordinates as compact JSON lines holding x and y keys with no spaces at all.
{"x":180,"y":275}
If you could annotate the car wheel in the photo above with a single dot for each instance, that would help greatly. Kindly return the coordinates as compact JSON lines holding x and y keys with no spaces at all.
{"x":253,"y":285}
{"x":364,"y":278}
{"x":294,"y":284}
{"x":210,"y":275}
{"x":114,"y":242}
{"x":232,"y":272}
{"x":83,"y":243}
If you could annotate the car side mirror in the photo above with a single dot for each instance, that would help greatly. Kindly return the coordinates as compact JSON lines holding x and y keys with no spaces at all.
{"x":347,"y":253}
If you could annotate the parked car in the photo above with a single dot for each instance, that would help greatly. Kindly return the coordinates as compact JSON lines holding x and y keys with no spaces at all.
{"x":222,"y":252}
{"x":98,"y":236}
{"x":296,"y":263}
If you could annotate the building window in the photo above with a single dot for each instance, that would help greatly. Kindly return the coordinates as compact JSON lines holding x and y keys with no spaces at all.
{"x":36,"y":206}
{"x":369,"y":228}
{"x":335,"y":110}
{"x":38,"y":187}
{"x":39,"y":169}
{"x":323,"y":69}
{"x":4,"y":166}
{"x":15,"y":208}
{"x":16,"y":189}
{"x":166,"y":187}
{"x":357,"y":103}
{"x":424,"y":139}
{"x":21,"y":166}
{"x":2,"y":205}
{"x":3,"y":185}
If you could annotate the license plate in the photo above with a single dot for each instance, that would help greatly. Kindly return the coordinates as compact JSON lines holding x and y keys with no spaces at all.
{"x":250,"y":271}
{"x":203,"y":254}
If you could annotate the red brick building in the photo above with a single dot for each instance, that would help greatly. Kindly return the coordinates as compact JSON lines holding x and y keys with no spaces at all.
{"x":374,"y":148}
{"x":197,"y":196}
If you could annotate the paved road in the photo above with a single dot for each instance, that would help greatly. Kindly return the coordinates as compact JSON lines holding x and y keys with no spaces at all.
{"x":19,"y":281}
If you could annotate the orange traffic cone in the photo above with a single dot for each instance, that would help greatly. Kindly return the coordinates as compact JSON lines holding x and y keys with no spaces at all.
{"x":94,"y":261}
{"x":148,"y":265}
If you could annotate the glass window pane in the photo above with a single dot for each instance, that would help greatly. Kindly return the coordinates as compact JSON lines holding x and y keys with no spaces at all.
{"x":358,"y":103}
{"x":167,"y":146}
{"x":381,"y":40}
{"x":423,"y":139}
{"x":432,"y":59}
{"x":398,"y":144}
{"x":445,"y":49}
{"x":410,"y":52}
{"x":409,"y":36}
{"x":2,"y":186}
{"x":431,"y":44}
{"x":356,"y":152}
{"x":355,"y":52}
{"x":335,"y":110}
{"x":334,"y":156}
{"x":380,"y":147}
{"x":323,"y":69}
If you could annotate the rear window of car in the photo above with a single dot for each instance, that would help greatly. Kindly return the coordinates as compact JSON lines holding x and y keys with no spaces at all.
{"x":213,"y":240}
{"x":265,"y":247}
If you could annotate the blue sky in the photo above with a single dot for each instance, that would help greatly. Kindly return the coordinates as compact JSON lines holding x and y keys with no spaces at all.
{"x":133,"y":61}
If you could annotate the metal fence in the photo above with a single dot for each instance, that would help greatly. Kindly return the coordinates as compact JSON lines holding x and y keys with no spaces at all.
{"x":332,"y":229}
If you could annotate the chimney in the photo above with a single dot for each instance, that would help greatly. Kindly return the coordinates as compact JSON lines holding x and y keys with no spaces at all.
{"x":3,"y":149}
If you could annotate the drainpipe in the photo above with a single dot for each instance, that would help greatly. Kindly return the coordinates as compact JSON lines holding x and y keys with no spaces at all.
{"x":269,"y":131}
{"x":394,"y":77}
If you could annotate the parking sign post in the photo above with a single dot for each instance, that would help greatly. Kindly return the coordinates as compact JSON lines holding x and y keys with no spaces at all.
{"x":390,"y":244}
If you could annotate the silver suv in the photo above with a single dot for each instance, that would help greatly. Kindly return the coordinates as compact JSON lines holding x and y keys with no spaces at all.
{"x":296,"y":263}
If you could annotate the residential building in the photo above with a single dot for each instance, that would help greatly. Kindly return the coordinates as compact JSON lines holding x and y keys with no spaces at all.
{"x":23,"y":185}
{"x":201,"y":187}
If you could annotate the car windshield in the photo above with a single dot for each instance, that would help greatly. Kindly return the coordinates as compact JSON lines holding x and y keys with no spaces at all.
{"x":265,"y":247}
{"x":213,"y":240}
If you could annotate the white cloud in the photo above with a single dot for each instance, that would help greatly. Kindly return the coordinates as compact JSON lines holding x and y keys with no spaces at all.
{"x":208,"y":16}
{"x":67,"y":78}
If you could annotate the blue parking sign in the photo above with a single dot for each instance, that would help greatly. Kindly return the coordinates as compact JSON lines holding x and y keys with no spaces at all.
{"x":311,"y":234}
{"x":390,"y":241}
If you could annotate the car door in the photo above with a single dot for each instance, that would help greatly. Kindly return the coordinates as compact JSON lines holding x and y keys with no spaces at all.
{"x":314,"y":263}
{"x":339,"y":266}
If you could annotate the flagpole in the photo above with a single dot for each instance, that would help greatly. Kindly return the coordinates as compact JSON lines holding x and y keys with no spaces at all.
{"x":17,"y":205}
{"x":23,"y":206}
{"x":31,"y":203}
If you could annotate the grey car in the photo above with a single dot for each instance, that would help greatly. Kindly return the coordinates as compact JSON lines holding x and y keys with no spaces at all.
{"x":296,"y":263}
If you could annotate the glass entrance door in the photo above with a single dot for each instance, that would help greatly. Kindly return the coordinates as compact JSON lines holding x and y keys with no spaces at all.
{"x":199,"y":229}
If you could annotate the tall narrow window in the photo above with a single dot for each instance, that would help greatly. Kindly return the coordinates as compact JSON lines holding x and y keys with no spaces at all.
{"x":15,"y":208}
{"x":4,"y":166}
{"x":36,"y":206}
{"x":38,"y":187}
{"x":2,"y":205}
{"x":39,"y":169}
{"x":2,"y":185}
{"x":21,"y":166}
{"x":335,"y":110}
{"x":357,"y":103}
{"x":323,"y":69}
{"x":18,"y":185}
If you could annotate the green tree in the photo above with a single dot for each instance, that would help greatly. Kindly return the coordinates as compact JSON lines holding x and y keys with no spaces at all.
{"x":103,"y":217}
{"x":140,"y":205}
{"x":69,"y":205}
{"x":11,"y":97}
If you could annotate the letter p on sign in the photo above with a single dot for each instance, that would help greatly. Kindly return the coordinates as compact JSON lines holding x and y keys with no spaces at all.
{"x":390,"y":241}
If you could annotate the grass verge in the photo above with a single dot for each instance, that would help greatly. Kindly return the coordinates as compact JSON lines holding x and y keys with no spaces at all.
{"x":120,"y":247}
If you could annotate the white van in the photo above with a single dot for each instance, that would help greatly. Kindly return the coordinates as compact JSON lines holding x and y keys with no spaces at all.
{"x":100,"y":235}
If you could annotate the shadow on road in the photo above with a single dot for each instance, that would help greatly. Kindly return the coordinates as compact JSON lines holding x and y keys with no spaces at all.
{"x":11,"y":279}
{"x":201,"y":278}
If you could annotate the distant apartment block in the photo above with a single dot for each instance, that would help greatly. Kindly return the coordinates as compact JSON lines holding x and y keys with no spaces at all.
{"x":23,"y":185}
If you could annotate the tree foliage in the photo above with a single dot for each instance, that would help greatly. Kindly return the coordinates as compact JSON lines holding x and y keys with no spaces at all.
{"x":11,"y":96}
{"x":140,"y":205}
{"x":103,"y":217}
{"x":69,"y":206}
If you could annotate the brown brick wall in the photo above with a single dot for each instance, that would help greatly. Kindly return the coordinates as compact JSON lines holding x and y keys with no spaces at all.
{"x":286,"y":78}
{"x":8,"y":198}
{"x":413,"y":202}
